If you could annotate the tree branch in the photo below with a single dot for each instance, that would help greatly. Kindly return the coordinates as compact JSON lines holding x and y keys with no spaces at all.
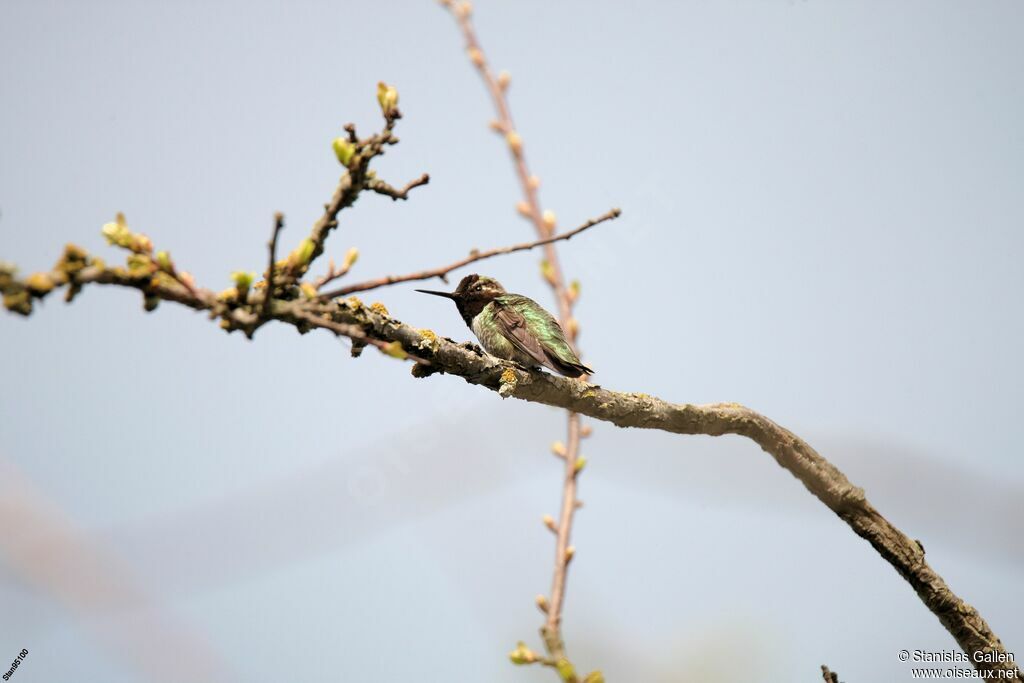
{"x":358,"y":322}
{"x":443,"y":271}
{"x":357,"y":177}
{"x":551,"y":269}
{"x":381,"y":187}
{"x":829,"y":676}
{"x":272,"y":248}
{"x":239,"y":308}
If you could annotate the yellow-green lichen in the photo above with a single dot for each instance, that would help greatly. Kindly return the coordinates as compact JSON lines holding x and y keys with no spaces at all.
{"x":429,"y":340}
{"x":379,"y":308}
{"x":508,"y":383}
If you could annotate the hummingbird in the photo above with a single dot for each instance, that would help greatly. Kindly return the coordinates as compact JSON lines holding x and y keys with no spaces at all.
{"x":512,"y":326}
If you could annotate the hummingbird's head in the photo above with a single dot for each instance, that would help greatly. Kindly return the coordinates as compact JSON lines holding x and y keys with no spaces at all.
{"x":472,"y":295}
{"x":478,"y":287}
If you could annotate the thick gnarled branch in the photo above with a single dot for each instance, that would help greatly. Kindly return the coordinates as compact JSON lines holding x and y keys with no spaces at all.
{"x":350,"y":318}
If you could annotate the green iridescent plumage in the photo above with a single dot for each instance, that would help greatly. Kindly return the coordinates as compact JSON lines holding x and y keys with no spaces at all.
{"x":513,"y":327}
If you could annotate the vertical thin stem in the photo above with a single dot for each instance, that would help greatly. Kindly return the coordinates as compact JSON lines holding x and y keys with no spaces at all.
{"x":497,"y":86}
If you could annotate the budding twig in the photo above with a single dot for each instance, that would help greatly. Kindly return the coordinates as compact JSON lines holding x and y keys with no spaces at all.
{"x":443,"y":271}
{"x":544,"y":225}
{"x":381,"y":187}
{"x":268,"y":294}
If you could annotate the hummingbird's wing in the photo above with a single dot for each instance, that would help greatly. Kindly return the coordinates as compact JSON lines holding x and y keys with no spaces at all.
{"x":514,"y":328}
{"x":536,"y":333}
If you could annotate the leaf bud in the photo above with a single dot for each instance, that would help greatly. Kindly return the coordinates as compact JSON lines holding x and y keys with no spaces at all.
{"x":515,"y":142}
{"x":522,"y":654}
{"x":343,"y":149}
{"x":387,"y":97}
{"x":549,"y":219}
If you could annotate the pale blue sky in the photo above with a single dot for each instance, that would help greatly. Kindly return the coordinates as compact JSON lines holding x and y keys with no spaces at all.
{"x":822,"y":219}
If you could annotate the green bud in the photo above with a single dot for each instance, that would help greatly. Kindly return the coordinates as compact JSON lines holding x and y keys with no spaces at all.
{"x":387,"y":97}
{"x":581,"y":462}
{"x":302,"y":254}
{"x":163,"y":259}
{"x":139,"y":243}
{"x":140,"y":265}
{"x":39,"y":283}
{"x":7,"y":273}
{"x":565,"y":669}
{"x":343,"y":149}
{"x":72,"y":260}
{"x":547,"y":271}
{"x":117,"y":233}
{"x":243,"y":280}
{"x":18,"y":302}
{"x":522,"y":654}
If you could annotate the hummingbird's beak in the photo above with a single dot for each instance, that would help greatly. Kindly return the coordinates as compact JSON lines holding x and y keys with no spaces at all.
{"x":447,"y":295}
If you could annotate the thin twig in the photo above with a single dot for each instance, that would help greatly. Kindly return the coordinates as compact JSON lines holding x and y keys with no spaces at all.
{"x":381,"y":187}
{"x":829,"y":676}
{"x":268,"y":294}
{"x":552,"y":626}
{"x":331,"y":275}
{"x":472,"y":258}
{"x":544,"y":227}
{"x":506,"y":125}
{"x":356,"y":178}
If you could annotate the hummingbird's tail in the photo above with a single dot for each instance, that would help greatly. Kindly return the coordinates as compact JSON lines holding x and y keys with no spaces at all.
{"x":568,"y":368}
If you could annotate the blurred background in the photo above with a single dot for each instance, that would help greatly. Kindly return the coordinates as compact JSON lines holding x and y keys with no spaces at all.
{"x":822,"y":220}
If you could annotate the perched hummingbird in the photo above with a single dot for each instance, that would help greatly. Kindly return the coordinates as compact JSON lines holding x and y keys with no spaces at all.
{"x":512,"y":326}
